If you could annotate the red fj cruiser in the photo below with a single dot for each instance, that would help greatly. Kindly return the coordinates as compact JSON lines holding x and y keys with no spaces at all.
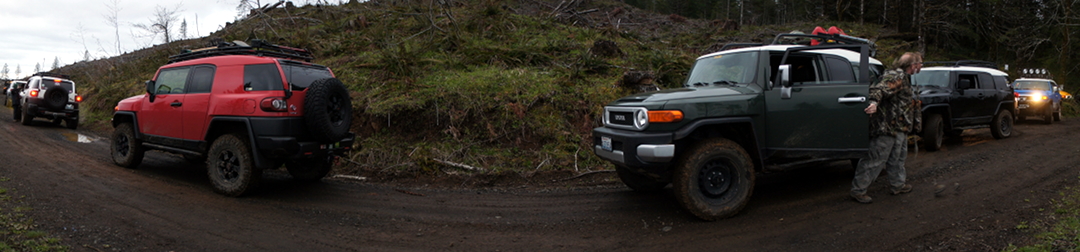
{"x":241,"y":108}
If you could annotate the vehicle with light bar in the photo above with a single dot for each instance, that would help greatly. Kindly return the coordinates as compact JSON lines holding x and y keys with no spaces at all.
{"x":240,"y":108}
{"x":50,"y":96}
{"x":960,"y":95}
{"x":748,"y":108}
{"x":1038,"y":97}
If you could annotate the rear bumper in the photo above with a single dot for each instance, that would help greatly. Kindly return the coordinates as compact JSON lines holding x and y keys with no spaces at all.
{"x":290,"y":147}
{"x":71,"y":112}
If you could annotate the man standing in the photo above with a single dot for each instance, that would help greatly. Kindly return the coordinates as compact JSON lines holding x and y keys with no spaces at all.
{"x":894,"y":111}
{"x":16,"y":101}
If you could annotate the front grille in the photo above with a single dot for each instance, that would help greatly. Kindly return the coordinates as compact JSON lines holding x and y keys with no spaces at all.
{"x":621,"y":118}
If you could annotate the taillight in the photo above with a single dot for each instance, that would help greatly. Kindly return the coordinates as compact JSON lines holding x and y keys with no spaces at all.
{"x":78,"y":98}
{"x":1015,"y":94}
{"x":33,"y":92}
{"x":273,"y":104}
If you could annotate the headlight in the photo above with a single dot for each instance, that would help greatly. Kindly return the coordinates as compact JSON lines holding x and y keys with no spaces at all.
{"x":641,"y":119}
{"x":1038,"y":98}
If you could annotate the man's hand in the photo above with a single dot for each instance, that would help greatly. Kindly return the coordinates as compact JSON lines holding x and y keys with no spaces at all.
{"x":871,"y":109}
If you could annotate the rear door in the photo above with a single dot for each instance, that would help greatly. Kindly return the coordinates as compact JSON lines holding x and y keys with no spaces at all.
{"x":969,"y":100}
{"x":823,"y":117}
{"x":197,"y":101}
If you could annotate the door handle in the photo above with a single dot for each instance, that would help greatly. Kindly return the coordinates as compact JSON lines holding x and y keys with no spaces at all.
{"x":176,"y":104}
{"x":851,"y":99}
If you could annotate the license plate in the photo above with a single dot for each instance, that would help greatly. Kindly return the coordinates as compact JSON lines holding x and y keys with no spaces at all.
{"x":1023,"y":106}
{"x":69,"y":107}
{"x":605,"y":143}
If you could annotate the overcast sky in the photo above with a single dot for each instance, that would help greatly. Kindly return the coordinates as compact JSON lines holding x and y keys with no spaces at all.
{"x":39,"y":31}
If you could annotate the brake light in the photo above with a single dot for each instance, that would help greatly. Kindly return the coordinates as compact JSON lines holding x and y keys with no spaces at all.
{"x":33,"y":92}
{"x":56,"y":80}
{"x":1015,"y":94}
{"x":665,"y":116}
{"x":273,"y":104}
{"x":78,"y":98}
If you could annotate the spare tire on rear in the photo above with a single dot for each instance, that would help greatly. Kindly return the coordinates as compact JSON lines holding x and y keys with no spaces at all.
{"x":56,"y":97}
{"x":328,"y":110}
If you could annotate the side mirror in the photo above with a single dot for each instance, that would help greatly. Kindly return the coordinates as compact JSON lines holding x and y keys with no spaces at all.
{"x":784,"y":75}
{"x":150,"y":90}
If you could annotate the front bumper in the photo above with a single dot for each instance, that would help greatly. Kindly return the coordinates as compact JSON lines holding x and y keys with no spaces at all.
{"x":1033,"y":108}
{"x":646,"y":153}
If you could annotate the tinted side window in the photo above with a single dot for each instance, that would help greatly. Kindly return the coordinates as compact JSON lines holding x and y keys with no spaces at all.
{"x":967,"y":81}
{"x":262,"y":77}
{"x":1001,"y":83}
{"x":985,"y":81}
{"x":840,"y":70}
{"x":202,"y":78}
{"x":171,"y":81}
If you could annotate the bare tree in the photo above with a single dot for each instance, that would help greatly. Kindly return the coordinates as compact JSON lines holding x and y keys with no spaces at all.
{"x":246,"y":6}
{"x":183,"y":29}
{"x":112,"y":18}
{"x":86,"y":56}
{"x":4,"y":72}
{"x":37,"y":67}
{"x":56,"y":63}
{"x":18,"y":71}
{"x":162,"y":23}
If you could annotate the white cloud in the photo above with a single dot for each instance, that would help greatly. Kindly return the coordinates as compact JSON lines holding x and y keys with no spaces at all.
{"x":37,"y":32}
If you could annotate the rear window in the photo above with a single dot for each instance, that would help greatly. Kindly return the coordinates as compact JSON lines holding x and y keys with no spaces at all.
{"x":66,"y":84}
{"x":301,"y":76}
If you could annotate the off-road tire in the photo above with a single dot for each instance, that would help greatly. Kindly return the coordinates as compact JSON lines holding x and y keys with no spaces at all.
{"x":127,"y":151}
{"x":72,"y":123}
{"x":933,"y":132}
{"x":328,"y":110}
{"x":1002,"y":125}
{"x":309,"y":170}
{"x":55,"y":98}
{"x":1057,"y":113}
{"x":639,"y":182}
{"x":230,"y":166}
{"x":1048,"y":117}
{"x":714,"y":179}
{"x":26,"y":117}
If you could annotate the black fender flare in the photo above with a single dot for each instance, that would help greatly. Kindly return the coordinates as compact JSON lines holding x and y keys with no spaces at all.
{"x":122,"y":116}
{"x":758,"y":153}
{"x":259,"y":161}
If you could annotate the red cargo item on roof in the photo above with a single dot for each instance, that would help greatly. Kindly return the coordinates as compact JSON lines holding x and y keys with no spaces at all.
{"x":831,"y":31}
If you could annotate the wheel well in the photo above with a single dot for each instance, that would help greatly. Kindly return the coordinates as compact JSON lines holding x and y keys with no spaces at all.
{"x":741,"y":133}
{"x":218,"y":128}
{"x":122,"y":118}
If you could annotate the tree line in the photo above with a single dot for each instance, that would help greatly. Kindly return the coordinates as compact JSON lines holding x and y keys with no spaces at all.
{"x":1022,"y":33}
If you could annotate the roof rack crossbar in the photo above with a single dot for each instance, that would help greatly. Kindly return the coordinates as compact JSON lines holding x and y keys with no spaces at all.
{"x":257,"y":47}
{"x":738,"y":45}
{"x":971,"y":63}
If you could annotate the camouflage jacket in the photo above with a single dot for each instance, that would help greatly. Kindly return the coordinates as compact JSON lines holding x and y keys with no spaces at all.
{"x":898,"y":110}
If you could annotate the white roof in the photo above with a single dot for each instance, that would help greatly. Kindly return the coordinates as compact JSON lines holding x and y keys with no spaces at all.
{"x":850,"y":55}
{"x":991,"y":71}
{"x":1035,"y":79}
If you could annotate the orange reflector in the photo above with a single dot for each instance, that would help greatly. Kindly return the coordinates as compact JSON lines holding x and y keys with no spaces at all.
{"x":665,"y":116}
{"x":56,"y":80}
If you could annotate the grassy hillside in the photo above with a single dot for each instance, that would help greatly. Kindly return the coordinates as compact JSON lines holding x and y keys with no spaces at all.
{"x":508,"y":86}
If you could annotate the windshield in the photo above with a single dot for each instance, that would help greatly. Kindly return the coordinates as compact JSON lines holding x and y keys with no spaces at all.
{"x":301,"y":76}
{"x":931,"y":78}
{"x":735,"y":68}
{"x":1031,"y":85}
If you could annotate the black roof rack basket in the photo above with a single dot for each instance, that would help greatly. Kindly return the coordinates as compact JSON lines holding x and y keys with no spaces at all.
{"x":51,"y":74}
{"x":257,"y":47}
{"x":825,"y":39}
{"x":971,"y":63}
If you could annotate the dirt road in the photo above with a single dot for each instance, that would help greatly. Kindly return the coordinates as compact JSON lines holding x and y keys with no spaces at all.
{"x":168,"y":205}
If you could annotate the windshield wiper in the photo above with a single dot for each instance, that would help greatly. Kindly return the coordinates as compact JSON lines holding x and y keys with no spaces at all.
{"x":729,"y":83}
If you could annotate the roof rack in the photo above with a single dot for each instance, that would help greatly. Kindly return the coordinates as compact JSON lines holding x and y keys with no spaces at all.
{"x":51,"y":74}
{"x":971,"y":63}
{"x":827,"y":39}
{"x":257,"y":47}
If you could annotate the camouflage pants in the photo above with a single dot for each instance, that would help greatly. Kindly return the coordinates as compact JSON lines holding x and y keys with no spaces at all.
{"x":886,"y":152}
